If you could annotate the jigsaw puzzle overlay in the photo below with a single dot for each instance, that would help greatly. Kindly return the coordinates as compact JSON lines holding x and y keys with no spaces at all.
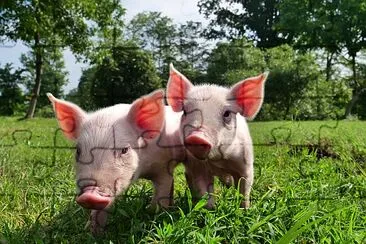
{"x":280,"y":137}
{"x":120,"y":137}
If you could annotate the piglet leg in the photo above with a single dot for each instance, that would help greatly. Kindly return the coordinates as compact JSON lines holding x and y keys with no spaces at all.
{"x":164,"y":188}
{"x":245,"y":182}
{"x":98,"y":221}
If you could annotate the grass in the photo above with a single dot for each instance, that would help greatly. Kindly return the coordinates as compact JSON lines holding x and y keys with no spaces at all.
{"x":299,"y":195}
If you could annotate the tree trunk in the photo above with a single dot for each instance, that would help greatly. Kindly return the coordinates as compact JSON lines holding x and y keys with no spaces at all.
{"x":355,"y":92}
{"x":37,"y":85}
{"x":287,"y":109}
{"x":329,"y":65}
{"x":355,"y":97}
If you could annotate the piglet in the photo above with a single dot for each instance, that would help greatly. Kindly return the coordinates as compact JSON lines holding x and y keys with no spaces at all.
{"x":215,"y":131}
{"x":117,"y":145}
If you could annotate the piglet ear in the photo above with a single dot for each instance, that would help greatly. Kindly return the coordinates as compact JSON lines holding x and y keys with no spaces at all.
{"x":69,"y":116}
{"x":177,"y":88}
{"x":249,"y":94}
{"x":147,"y":114}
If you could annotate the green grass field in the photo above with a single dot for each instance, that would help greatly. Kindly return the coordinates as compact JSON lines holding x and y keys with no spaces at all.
{"x":312,"y":194}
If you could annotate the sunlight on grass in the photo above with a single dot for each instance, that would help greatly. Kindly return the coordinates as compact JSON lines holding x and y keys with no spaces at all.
{"x":304,"y":194}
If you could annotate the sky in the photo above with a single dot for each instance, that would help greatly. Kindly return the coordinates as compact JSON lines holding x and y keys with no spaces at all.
{"x":179,"y":10}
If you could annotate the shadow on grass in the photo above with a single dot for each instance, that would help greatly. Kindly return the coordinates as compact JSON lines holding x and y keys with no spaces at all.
{"x":129,"y":221}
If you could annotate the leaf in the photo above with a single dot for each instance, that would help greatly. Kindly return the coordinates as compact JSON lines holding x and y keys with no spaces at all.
{"x":299,"y":226}
{"x":200,"y":204}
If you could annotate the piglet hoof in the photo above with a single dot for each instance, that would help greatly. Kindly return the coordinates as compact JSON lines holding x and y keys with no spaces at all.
{"x":165,"y":202}
{"x":210,"y":206}
{"x":227,"y":180}
{"x":245,"y":204}
{"x":153,"y":208}
{"x":210,"y":203}
{"x":94,"y":229}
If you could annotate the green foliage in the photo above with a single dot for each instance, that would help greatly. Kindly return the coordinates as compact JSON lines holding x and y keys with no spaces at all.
{"x":24,"y":20}
{"x":46,"y":23}
{"x":331,"y":25}
{"x":192,"y":52}
{"x":82,"y":95}
{"x":169,"y":43}
{"x":109,"y":31}
{"x":314,"y":24}
{"x":237,"y":19}
{"x":335,"y":27}
{"x":192,"y":48}
{"x":360,"y":107}
{"x":295,"y":87}
{"x":194,"y":74}
{"x":322,"y":100}
{"x":53,"y":76}
{"x":45,"y":112}
{"x":290,"y":74}
{"x":130,"y":75}
{"x":155,"y":33}
{"x":11,"y":95}
{"x":228,"y":61}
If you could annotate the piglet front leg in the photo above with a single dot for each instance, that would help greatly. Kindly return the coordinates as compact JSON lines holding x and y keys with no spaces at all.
{"x":163,"y":191}
{"x":200,"y":181}
{"x":245,"y":181}
{"x":98,"y":221}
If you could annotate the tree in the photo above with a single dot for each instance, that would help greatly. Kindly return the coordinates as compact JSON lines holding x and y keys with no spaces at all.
{"x":331,"y":25}
{"x":192,"y":47}
{"x":231,"y":61}
{"x":54,"y":75}
{"x":52,"y":23}
{"x":254,"y":19}
{"x":157,"y":34}
{"x":182,"y":45}
{"x":353,"y":28}
{"x":11,"y":96}
{"x":192,"y":51}
{"x":314,"y":25}
{"x":360,"y":106}
{"x":290,"y":73}
{"x":82,"y":95}
{"x":131,"y":75}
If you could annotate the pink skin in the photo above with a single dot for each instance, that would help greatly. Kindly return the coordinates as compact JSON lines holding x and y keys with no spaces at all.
{"x":93,"y":199}
{"x":197,"y":144}
{"x":215,"y":131}
{"x":118,"y":145}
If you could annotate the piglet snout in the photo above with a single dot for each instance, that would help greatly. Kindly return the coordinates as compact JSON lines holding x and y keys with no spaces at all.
{"x":198,"y":145}
{"x":93,"y":199}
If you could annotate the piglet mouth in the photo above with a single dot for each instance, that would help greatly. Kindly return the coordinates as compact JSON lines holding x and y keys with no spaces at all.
{"x":198,"y":145}
{"x":92,"y":198}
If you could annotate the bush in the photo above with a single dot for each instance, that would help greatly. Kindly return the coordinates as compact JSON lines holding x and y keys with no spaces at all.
{"x":45,"y":112}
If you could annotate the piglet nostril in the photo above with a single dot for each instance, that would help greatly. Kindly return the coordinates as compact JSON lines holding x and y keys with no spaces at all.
{"x":86,"y":182}
{"x":89,"y":188}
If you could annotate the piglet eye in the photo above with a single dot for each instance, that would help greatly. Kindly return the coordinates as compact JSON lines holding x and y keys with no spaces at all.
{"x":227,"y":116}
{"x":119,"y":152}
{"x":227,"y":113}
{"x":124,"y":150}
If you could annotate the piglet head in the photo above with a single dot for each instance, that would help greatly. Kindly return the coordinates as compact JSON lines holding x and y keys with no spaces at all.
{"x":209,"y":111}
{"x":108,"y":144}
